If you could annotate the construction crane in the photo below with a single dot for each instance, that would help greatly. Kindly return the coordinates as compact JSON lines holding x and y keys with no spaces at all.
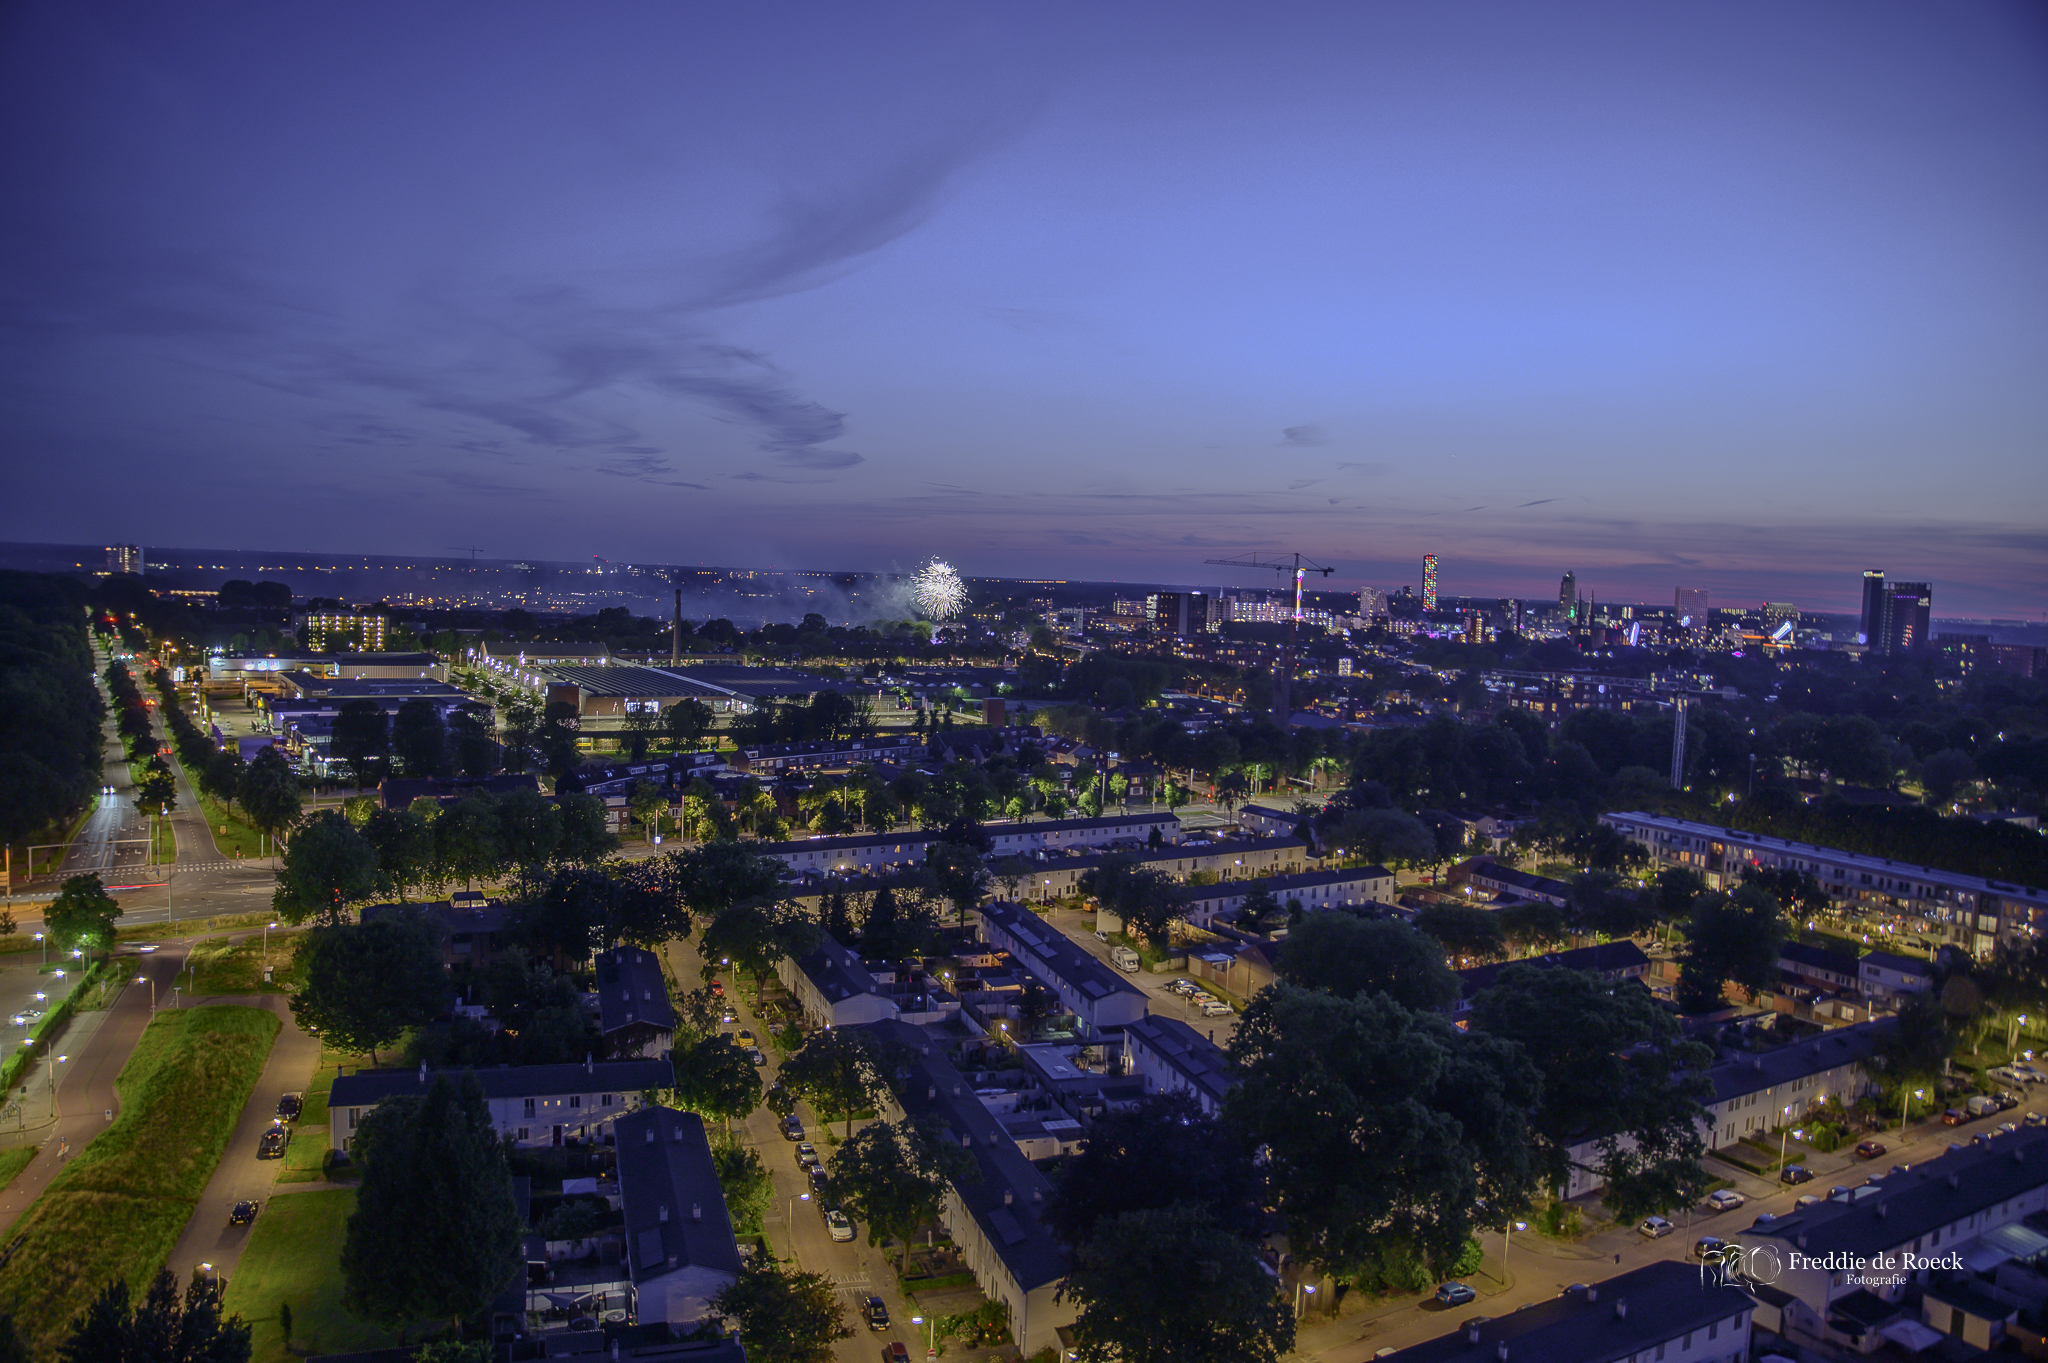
{"x":1300,"y":565}
{"x":474,"y":550}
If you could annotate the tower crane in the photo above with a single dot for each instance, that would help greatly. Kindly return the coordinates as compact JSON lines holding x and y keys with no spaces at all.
{"x":473,"y":549}
{"x":1300,"y":565}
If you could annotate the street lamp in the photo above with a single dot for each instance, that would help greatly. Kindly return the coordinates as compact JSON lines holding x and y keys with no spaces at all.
{"x":1917,"y":1093}
{"x":56,"y":1078}
{"x":2013,"y":1037}
{"x":931,"y":1339}
{"x":46,"y":948}
{"x":1505,"y":1232}
{"x":266,"y":945}
{"x":800,"y":1197}
{"x":1304,"y":1293}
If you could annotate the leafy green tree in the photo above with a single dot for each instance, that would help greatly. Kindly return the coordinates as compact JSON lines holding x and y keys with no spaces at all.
{"x":1731,"y":937}
{"x":1167,"y":1285}
{"x":161,"y":1328}
{"x":404,"y":844}
{"x":960,"y":870}
{"x":1349,"y":956}
{"x":366,"y":983}
{"x":756,"y":937}
{"x":471,"y":747}
{"x":783,"y":1317}
{"x":648,"y":804}
{"x":1466,"y":930}
{"x":1381,"y":1125}
{"x":435,"y":1150}
{"x":420,"y":738}
{"x":157,"y":791}
{"x":713,"y":878}
{"x":687,"y":721}
{"x":270,"y":792}
{"x":895,"y":1178}
{"x":1533,"y":925}
{"x":715,"y":1079}
{"x":328,"y":867}
{"x":362,"y":737}
{"x":1385,"y":836}
{"x":468,"y":841}
{"x":1159,"y":1151}
{"x":529,"y":831}
{"x":556,"y":738}
{"x":1616,"y":1068}
{"x":838,"y":1070}
{"x":82,"y":914}
{"x":222,"y":776}
{"x":749,"y":1189}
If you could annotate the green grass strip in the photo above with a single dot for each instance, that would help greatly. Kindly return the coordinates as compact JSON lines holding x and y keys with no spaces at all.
{"x":294,"y":1259}
{"x":117,"y":1209}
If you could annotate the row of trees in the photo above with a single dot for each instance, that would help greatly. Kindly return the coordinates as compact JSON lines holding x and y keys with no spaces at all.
{"x":50,"y":712}
{"x":417,"y":737}
{"x":266,"y":788}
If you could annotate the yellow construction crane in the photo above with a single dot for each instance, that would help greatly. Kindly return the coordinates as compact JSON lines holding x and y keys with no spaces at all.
{"x":1300,"y":565}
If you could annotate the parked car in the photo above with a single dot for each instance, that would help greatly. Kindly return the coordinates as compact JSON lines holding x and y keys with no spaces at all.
{"x":806,"y":1154}
{"x":877,"y":1313}
{"x":896,"y":1353}
{"x":2036,"y":1118}
{"x":1707,"y":1246}
{"x":274,"y":1141}
{"x":1725,"y":1200}
{"x":1655,"y":1228}
{"x":744,"y":1037}
{"x":718,"y":989}
{"x":2008,"y":1128}
{"x":792,"y":1128}
{"x":1455,"y":1294}
{"x":1953,"y":1117}
{"x":754,"y":1054}
{"x":2006,"y":1101}
{"x":1796,"y":1173}
{"x":1897,"y":1169}
{"x":1869,"y":1149}
{"x":290,"y":1106}
{"x":818,"y":1176}
{"x":1806,"y":1200}
{"x":837,"y":1226}
{"x":1216,"y":1008}
{"x":242,"y":1213}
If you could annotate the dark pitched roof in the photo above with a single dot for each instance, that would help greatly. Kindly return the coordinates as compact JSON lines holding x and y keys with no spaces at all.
{"x":675,"y":1210}
{"x":631,"y":991}
{"x":1608,"y":958}
{"x":1056,"y":951}
{"x":1613,"y":1320}
{"x":367,"y":1088}
{"x":1008,"y":1200}
{"x":836,"y":970}
{"x":1958,"y":1184}
{"x":1185,"y":1051}
{"x":1818,"y":958}
{"x":1904,"y":965}
{"x":1750,"y":1073}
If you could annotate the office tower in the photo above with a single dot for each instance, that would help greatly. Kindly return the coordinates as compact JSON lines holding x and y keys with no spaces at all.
{"x":125,"y":558}
{"x":1475,"y":627}
{"x":1429,"y":582}
{"x":1873,"y":632}
{"x":1907,"y":606}
{"x":1568,"y":597}
{"x":1690,"y":604}
{"x":1184,"y":613}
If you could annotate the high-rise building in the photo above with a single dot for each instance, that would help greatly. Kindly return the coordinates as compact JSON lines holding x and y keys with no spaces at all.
{"x":125,"y":558}
{"x":1689,"y":604}
{"x":1184,"y":613}
{"x":1907,"y":607}
{"x":1429,"y":582}
{"x":326,"y":631}
{"x":1872,"y":633}
{"x":1568,"y":597}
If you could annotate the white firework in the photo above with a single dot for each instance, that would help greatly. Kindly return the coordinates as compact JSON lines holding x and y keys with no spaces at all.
{"x":938,"y":591}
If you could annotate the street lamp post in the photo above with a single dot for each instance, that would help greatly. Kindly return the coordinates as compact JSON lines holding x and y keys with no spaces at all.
{"x":56,"y":1078}
{"x":800,"y":1197}
{"x":46,"y":947}
{"x":1505,"y":1232}
{"x":266,"y":947}
{"x":144,"y":979}
{"x":931,"y":1339}
{"x":1304,"y":1297}
{"x":2012,"y":1036}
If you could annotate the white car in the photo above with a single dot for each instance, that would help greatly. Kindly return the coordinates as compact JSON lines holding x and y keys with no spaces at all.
{"x":1216,"y":1008}
{"x":837,"y":1226}
{"x":1655,"y":1228}
{"x":1725,"y":1200}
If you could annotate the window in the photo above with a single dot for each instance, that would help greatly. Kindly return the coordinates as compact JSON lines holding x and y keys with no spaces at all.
{"x":576,"y":1101}
{"x":529,"y":1108}
{"x":604,"y":1100}
{"x":522,"y":1133}
{"x":1713,"y":1329}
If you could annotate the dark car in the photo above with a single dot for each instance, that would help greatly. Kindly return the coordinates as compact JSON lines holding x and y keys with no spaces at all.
{"x":274,"y":1141}
{"x":1707,"y":1246}
{"x":1796,"y":1173}
{"x":290,"y":1106}
{"x":1869,"y":1149}
{"x":242,"y":1213}
{"x":818,"y":1178}
{"x":896,"y":1353}
{"x":792,"y":1129}
{"x":1953,"y":1117}
{"x":1455,"y":1294}
{"x":2006,"y":1101}
{"x":877,"y":1313}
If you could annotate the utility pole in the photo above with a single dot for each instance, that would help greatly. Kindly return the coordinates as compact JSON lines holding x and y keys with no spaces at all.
{"x":1678,"y":748}
{"x":1283,"y":683}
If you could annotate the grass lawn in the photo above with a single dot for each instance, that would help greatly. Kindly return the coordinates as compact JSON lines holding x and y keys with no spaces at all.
{"x":240,"y":839}
{"x":118,"y":1208}
{"x":223,"y":967}
{"x":13,"y":1160}
{"x":294,"y":1258}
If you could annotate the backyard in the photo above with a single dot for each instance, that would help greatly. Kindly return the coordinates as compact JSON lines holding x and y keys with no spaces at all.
{"x":294,"y":1259}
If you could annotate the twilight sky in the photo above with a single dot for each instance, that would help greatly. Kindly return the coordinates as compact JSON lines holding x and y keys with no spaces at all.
{"x":1749,"y":297}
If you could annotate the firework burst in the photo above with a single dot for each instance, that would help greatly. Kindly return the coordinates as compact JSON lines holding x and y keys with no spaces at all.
{"x":938,"y":591}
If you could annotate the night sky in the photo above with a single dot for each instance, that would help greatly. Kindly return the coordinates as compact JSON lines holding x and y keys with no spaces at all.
{"x":1749,"y":297}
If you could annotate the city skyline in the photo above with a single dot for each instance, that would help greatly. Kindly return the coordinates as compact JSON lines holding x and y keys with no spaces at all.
{"x":1724,"y":298}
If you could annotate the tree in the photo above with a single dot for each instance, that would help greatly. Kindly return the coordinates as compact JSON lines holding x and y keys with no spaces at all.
{"x":404,"y":843}
{"x":712,"y":878}
{"x":471,"y":747}
{"x":1167,"y":1285}
{"x":1161,"y":1150}
{"x":435,"y":1150}
{"x":1730,"y":937}
{"x":362,"y":736}
{"x":270,"y":792}
{"x":715,"y":1079}
{"x":749,"y":1189}
{"x":1533,"y":925}
{"x":1386,"y":836}
{"x":467,"y":840}
{"x":328,"y":867}
{"x":1617,"y":1069}
{"x":960,"y":870}
{"x":222,"y":776}
{"x":1151,"y":902}
{"x":648,"y":803}
{"x":161,"y":1328}
{"x":837,"y":1070}
{"x":783,"y":1317}
{"x":365,"y":983}
{"x":689,"y":719}
{"x":1349,"y":956}
{"x":586,"y":834}
{"x":419,"y":738}
{"x":157,"y":791}
{"x":1466,"y":930}
{"x":756,"y":937}
{"x":895,"y":1177}
{"x":556,"y":738}
{"x":82,"y":914}
{"x":529,"y":830}
{"x":1382,"y":1127}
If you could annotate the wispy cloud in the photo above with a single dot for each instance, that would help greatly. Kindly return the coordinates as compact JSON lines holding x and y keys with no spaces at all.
{"x":1304,"y":435}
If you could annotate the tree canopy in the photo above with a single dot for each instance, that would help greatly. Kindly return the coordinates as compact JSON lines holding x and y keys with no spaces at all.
{"x":366,"y":983}
{"x":1349,"y":956}
{"x":82,"y":914}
